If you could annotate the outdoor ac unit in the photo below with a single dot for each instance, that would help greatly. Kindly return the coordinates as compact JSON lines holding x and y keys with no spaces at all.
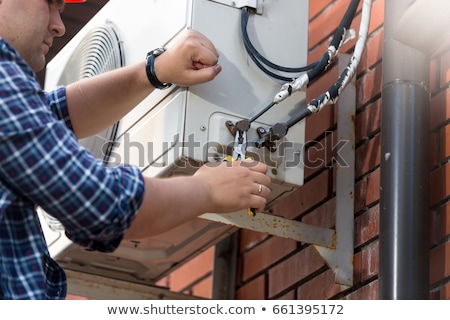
{"x":174,"y":131}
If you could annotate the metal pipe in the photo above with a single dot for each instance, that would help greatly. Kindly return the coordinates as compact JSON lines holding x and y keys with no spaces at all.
{"x":404,"y":195}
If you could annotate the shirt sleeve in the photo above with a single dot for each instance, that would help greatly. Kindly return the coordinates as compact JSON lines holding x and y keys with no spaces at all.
{"x":57,"y":102}
{"x":42,"y":161}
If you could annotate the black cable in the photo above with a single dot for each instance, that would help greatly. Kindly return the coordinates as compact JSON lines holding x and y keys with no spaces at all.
{"x":336,"y":42}
{"x":256,"y":116}
{"x":320,"y":66}
{"x":258,"y":58}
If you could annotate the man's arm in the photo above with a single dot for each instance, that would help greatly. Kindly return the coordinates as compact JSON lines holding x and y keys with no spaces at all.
{"x":215,"y":188}
{"x":98,"y":102}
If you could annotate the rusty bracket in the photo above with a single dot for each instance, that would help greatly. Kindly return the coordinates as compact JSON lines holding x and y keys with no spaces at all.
{"x":340,"y":259}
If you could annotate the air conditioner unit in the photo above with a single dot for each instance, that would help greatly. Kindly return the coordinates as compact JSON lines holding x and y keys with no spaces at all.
{"x":174,"y":131}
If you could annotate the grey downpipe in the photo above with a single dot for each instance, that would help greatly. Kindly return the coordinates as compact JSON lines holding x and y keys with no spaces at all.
{"x":404,"y":195}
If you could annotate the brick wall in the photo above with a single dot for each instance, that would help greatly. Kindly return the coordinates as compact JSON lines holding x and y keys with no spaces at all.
{"x":440,"y":174}
{"x":277,"y":268}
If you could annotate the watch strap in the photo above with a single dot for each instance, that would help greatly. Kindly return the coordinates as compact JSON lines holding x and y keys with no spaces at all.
{"x":150,"y":70}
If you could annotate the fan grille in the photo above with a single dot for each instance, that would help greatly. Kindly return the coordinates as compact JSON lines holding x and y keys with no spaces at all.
{"x":98,"y":52}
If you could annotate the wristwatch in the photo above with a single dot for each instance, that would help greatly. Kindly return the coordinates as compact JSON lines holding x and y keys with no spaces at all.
{"x":150,"y":69}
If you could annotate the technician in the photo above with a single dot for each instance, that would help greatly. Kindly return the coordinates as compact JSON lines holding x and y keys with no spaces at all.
{"x":42,"y":164}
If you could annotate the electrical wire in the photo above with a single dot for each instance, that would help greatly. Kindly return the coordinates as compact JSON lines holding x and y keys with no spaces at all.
{"x":340,"y":37}
{"x":332,"y":94}
{"x":259,"y":59}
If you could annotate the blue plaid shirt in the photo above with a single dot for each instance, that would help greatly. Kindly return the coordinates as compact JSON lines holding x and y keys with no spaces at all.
{"x":41,"y":164}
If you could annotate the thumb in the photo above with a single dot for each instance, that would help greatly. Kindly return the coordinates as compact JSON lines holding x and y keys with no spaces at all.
{"x":203,"y":73}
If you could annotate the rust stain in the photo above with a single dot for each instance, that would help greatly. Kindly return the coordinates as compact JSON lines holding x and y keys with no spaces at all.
{"x":334,"y":240}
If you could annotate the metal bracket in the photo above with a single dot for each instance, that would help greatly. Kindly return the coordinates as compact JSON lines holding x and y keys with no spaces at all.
{"x":255,"y":4}
{"x":340,"y":259}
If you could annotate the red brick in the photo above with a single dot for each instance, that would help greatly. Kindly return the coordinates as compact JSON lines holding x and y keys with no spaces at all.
{"x":248,"y":239}
{"x":368,"y":292}
{"x":437,"y":185}
{"x":312,"y":193}
{"x":367,"y":226}
{"x":294,"y":269}
{"x":314,"y":157}
{"x":325,"y":24}
{"x":375,"y":49}
{"x":440,"y":263}
{"x":360,"y":195}
{"x":266,"y":254}
{"x":253,"y":290}
{"x":369,"y":86}
{"x":445,"y":292}
{"x":362,"y":66}
{"x":316,"y":6}
{"x":318,"y":123}
{"x":377,"y":16}
{"x":374,"y":117}
{"x":291,"y":295}
{"x":444,"y":221}
{"x":440,"y":109}
{"x":368,"y":156}
{"x":361,"y":127}
{"x":192,"y":271}
{"x":444,"y":139}
{"x":164,"y":282}
{"x":321,"y":287}
{"x":323,"y":216}
{"x":370,"y":261}
{"x":434,"y":225}
{"x":434,"y":150}
{"x":373,"y":187}
{"x":319,"y":154}
{"x":357,"y":268}
{"x":440,"y":184}
{"x":203,"y":289}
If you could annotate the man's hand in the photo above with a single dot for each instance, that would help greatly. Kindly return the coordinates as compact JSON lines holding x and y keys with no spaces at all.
{"x":215,"y":188}
{"x":234,"y":186}
{"x":190,"y":59}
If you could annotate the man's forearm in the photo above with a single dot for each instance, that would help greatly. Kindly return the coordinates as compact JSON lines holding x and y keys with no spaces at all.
{"x":97,"y":103}
{"x":161,"y":210}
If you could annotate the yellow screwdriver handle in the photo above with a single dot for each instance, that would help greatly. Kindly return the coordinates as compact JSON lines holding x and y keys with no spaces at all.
{"x":251,"y":211}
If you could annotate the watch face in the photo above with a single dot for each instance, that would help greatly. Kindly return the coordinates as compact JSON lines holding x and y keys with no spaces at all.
{"x":158,"y":51}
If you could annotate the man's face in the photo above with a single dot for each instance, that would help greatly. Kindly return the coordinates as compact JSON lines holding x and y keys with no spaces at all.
{"x":30,"y":27}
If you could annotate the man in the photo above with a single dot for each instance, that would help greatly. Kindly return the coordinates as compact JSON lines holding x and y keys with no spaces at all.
{"x":41,"y":163}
